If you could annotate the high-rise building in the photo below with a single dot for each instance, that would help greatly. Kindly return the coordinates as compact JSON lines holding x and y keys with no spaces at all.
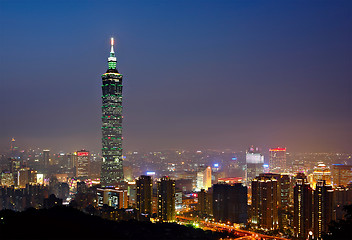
{"x":286,"y":194}
{"x":342,"y":197}
{"x":320,"y":173}
{"x":230,"y":203}
{"x":285,"y":190}
{"x":115,"y":198}
{"x":254,"y":163}
{"x":204,"y":179}
{"x":302,"y":217}
{"x":178,"y":199}
{"x":277,"y":160}
{"x":7,"y":179}
{"x":46,"y":158}
{"x":83,"y":164}
{"x":23,"y":177}
{"x":112,"y":169}
{"x":341,"y":174}
{"x":323,"y":208}
{"x":166,"y":199}
{"x":144,"y":187}
{"x":72,"y":160}
{"x":205,"y":203}
{"x":265,"y":202}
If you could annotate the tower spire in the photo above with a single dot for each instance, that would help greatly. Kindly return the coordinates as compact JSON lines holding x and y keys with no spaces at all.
{"x":112,"y":45}
{"x":112,"y":57}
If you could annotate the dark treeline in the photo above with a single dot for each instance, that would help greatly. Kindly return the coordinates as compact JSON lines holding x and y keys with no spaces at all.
{"x":341,"y":229}
{"x":68,"y":223}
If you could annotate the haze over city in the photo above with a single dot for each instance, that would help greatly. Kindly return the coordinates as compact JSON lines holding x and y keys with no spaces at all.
{"x":197,"y":74}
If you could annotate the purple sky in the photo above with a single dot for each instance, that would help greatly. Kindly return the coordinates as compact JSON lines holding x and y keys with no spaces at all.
{"x":197,"y":74}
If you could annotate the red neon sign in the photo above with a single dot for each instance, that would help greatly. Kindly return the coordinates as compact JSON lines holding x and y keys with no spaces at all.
{"x":82,"y":153}
{"x":277,"y":150}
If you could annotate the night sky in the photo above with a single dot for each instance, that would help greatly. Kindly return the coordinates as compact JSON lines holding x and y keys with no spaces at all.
{"x":197,"y":74}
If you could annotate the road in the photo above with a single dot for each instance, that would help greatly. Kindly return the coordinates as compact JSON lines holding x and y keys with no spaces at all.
{"x":215,"y":226}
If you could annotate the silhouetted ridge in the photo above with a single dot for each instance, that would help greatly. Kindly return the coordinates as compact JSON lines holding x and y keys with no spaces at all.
{"x":68,"y":223}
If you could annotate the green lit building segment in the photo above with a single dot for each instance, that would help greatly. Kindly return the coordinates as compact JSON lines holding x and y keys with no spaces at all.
{"x":112,"y":169}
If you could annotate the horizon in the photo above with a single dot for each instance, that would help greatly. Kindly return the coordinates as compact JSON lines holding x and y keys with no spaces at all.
{"x":209,"y":75}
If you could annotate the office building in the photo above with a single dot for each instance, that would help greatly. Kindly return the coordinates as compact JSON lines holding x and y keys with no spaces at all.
{"x":46,"y":158}
{"x":23,"y":177}
{"x":83,"y":164}
{"x":230,"y":203}
{"x":71,"y":160}
{"x":277,"y":160}
{"x":166,"y":200}
{"x":111,"y":169}
{"x":115,"y":198}
{"x":144,"y":186}
{"x":303,"y":208}
{"x":178,"y":199}
{"x":265,"y":202}
{"x":341,"y":174}
{"x":285,"y":190}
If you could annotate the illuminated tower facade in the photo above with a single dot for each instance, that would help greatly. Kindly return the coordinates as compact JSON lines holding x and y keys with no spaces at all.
{"x":112,"y":169}
{"x":83,"y":164}
{"x":302,"y":217}
{"x":254,"y":164}
{"x":265,"y":202}
{"x":166,"y":200}
{"x":323,"y":208}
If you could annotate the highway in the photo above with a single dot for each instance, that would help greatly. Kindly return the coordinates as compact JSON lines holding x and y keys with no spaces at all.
{"x":215,"y":226}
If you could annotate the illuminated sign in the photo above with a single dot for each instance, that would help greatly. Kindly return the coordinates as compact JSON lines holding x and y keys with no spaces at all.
{"x":216,"y":165}
{"x":150,"y":173}
{"x":277,"y":149}
{"x":82,"y":153}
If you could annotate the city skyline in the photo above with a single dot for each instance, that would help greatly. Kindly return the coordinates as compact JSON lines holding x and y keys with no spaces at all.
{"x":264,"y":79}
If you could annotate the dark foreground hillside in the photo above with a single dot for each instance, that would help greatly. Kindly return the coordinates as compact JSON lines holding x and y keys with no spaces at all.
{"x":69,"y":223}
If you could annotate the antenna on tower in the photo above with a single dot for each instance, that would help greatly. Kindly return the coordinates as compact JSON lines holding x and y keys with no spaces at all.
{"x":112,"y":42}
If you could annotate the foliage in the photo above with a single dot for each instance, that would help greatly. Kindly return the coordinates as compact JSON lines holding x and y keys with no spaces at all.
{"x":69,"y":223}
{"x":341,"y":229}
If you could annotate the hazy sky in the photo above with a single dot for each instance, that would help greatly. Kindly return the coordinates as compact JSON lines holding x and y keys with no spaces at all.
{"x":197,"y":74}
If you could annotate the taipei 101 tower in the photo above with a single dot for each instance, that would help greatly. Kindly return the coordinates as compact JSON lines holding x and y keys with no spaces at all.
{"x":111,"y":169}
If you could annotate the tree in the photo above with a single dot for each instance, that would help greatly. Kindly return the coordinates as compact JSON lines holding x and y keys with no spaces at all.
{"x":341,"y":229}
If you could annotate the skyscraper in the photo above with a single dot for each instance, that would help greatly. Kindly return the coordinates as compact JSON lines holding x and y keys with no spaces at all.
{"x":83,"y":164}
{"x":166,"y":199}
{"x":302,"y":217}
{"x":323,"y":208}
{"x":230,"y":203}
{"x":265,"y":202}
{"x":277,"y":160}
{"x":112,"y":169}
{"x":254,"y":163}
